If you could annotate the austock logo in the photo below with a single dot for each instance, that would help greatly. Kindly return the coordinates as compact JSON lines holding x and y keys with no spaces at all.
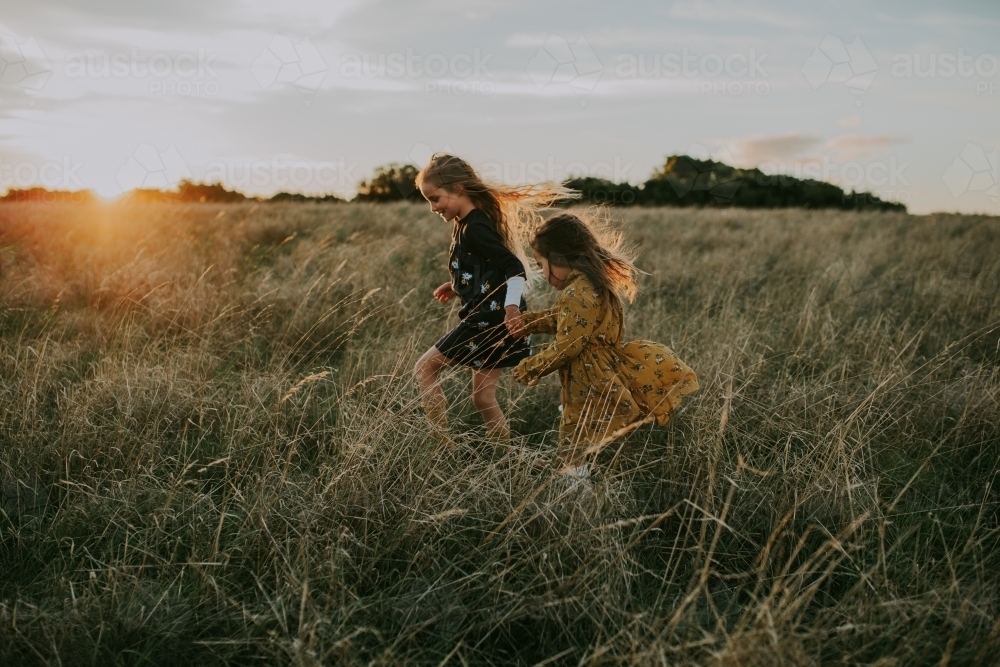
{"x":975,"y":169}
{"x":281,"y":61}
{"x":51,"y":174}
{"x":559,"y":62}
{"x":458,"y":74}
{"x":947,"y":66}
{"x":183,"y":73}
{"x":23,"y":64}
{"x":885,"y":179}
{"x":278,"y":173}
{"x":149,"y":168}
{"x":833,"y":61}
{"x":719,"y":74}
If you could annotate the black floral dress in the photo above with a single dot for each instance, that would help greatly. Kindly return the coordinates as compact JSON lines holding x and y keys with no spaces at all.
{"x":480,"y":265}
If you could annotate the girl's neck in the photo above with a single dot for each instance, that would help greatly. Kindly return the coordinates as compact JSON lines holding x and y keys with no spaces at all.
{"x":465,"y":209}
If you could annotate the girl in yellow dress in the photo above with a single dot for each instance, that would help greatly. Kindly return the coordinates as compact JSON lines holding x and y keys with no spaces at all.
{"x":608,"y":387}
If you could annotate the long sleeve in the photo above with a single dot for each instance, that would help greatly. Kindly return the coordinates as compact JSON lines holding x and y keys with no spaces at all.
{"x":481,"y":238}
{"x":515,"y":288}
{"x":542,"y":322}
{"x":576,"y":316}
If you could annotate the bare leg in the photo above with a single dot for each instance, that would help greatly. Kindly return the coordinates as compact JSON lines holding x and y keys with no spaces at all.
{"x":484,"y":397}
{"x":428,"y":366}
{"x":432,"y":397}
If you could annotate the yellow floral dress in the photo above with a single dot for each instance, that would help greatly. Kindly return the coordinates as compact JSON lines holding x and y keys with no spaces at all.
{"x":608,"y":387}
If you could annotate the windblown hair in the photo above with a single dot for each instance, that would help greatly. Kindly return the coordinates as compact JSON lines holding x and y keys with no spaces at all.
{"x":592,"y":248}
{"x":515,"y":210}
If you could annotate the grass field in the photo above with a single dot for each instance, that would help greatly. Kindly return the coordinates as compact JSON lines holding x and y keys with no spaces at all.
{"x":211,"y":452}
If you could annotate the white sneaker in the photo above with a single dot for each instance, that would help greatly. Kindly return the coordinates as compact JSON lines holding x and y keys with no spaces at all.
{"x":576,"y":478}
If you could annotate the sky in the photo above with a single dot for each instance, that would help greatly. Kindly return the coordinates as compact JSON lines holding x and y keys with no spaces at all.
{"x":897,"y":98}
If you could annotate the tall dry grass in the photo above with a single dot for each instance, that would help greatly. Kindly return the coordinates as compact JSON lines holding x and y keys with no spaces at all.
{"x":210,"y":451}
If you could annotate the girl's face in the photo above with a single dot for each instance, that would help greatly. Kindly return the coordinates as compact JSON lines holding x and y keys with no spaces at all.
{"x":556,"y":275}
{"x":449,"y":205}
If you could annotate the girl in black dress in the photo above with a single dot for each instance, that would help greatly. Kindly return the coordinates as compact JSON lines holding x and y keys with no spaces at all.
{"x":487,"y":266}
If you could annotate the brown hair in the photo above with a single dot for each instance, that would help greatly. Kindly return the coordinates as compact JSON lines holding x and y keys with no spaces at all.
{"x":593,"y":248}
{"x":513,"y":210}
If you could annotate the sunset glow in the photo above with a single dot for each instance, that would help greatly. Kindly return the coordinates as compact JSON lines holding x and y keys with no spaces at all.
{"x":899,"y":98}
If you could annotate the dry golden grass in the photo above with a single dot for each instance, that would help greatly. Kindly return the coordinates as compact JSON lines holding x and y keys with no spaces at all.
{"x":210,"y":450}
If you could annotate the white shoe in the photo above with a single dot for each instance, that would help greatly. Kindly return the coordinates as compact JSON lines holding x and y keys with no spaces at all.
{"x":576,"y":478}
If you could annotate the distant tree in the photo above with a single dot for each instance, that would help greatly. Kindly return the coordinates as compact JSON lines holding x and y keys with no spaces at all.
{"x":148,"y":196}
{"x":687,"y":181}
{"x":188,"y":191}
{"x":297,"y":197}
{"x":681,"y":181}
{"x":601,"y":191}
{"x":392,"y":182}
{"x":49,"y":196}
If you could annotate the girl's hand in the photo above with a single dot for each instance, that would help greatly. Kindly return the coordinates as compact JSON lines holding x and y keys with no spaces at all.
{"x":521,"y":376}
{"x":444,"y":293}
{"x":512,"y":319}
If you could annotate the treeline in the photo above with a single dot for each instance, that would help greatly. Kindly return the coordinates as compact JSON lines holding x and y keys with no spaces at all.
{"x":50,"y":196}
{"x":187,"y":191}
{"x":686,"y":181}
{"x":390,"y":183}
{"x":681,"y":181}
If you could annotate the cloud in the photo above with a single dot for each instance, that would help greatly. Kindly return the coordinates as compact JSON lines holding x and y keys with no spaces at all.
{"x":954,"y":20}
{"x":794,"y":149}
{"x":857,"y":146}
{"x":792,"y":146}
{"x":733,"y":12}
{"x":99,"y":120}
{"x":382,"y":24}
{"x":159,"y":15}
{"x":632,"y":39}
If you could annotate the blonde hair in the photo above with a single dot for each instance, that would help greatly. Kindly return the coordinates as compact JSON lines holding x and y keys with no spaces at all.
{"x":592,"y":246}
{"x":515,"y":210}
